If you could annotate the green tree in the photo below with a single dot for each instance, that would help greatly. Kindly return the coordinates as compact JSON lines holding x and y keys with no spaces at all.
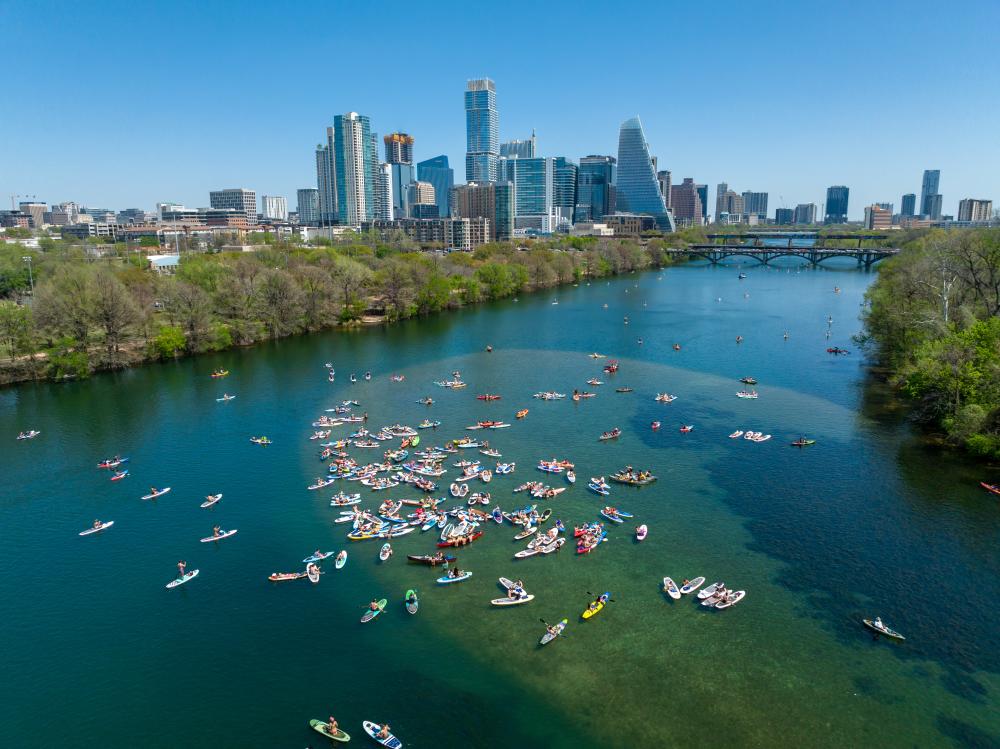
{"x":114,"y":310}
{"x":15,"y":327}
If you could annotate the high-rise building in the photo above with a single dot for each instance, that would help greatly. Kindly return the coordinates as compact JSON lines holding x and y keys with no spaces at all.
{"x":236,"y":198}
{"x":755,"y":203}
{"x":729,"y":203}
{"x":274,"y":207}
{"x":909,"y":207}
{"x":564,"y":180}
{"x":703,"y":195}
{"x":357,"y":165}
{"x":663,"y":177}
{"x":421,"y":193}
{"x":386,"y":207}
{"x":520,"y":149}
{"x":307,"y":201}
{"x":805,"y":213}
{"x":877,"y":218}
{"x":595,"y":188}
{"x":482,"y":131}
{"x":836,"y":204}
{"x":326,"y":179}
{"x":685,"y":199}
{"x":35,"y":211}
{"x":638,"y":190}
{"x":403,"y":176}
{"x":975,"y":209}
{"x":720,"y":189}
{"x":784,"y":216}
{"x":438,"y":173}
{"x":928,"y":189}
{"x":493,"y":201}
{"x":544,"y":191}
{"x":398,"y":148}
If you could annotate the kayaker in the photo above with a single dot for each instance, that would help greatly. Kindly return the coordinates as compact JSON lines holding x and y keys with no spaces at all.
{"x":603,"y":598}
{"x":331,"y":726}
{"x":383,"y":732}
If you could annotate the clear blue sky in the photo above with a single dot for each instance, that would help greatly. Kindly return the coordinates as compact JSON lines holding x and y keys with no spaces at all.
{"x":116,"y":104}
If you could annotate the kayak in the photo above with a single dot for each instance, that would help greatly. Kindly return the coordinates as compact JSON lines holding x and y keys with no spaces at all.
{"x":529,"y":531}
{"x":222,"y":535}
{"x":369,"y":615}
{"x":156,"y":494}
{"x":280,"y":577}
{"x":692,"y":586}
{"x":725,"y":603}
{"x":372,"y":730}
{"x":112,"y":462}
{"x":317,"y":557}
{"x":882,"y":630}
{"x":320,"y":726}
{"x":549,"y":636}
{"x":428,"y":559}
{"x":411,"y":608}
{"x":120,"y":475}
{"x":671,"y":589}
{"x":341,"y":560}
{"x":640,"y":532}
{"x":447,"y":580}
{"x":596,"y":607}
{"x":513,"y":601}
{"x":385,"y":552}
{"x":211,"y":499}
{"x":98,"y":529}
{"x":313,"y":574}
{"x":183,"y":579}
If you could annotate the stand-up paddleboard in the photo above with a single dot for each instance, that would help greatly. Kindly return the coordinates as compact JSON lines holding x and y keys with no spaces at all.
{"x":210,"y":500}
{"x":692,"y":586}
{"x":411,"y":605}
{"x":156,"y":494}
{"x":98,"y":529}
{"x":369,"y":615}
{"x":320,"y":727}
{"x":341,"y":560}
{"x":549,"y":636}
{"x":318,"y":557}
{"x":183,"y":579}
{"x":390,"y":741}
{"x":222,"y":535}
{"x":671,"y":589}
{"x":446,"y":580}
{"x":313,"y":574}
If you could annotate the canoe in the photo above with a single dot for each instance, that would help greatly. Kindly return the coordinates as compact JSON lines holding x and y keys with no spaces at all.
{"x":460,"y":541}
{"x":183,"y":579}
{"x":222,"y":535}
{"x":513,"y":601}
{"x":428,"y":559}
{"x":372,"y":730}
{"x":280,"y":577}
{"x":448,"y":580}
{"x":710,"y":590}
{"x":598,"y":606}
{"x":341,"y":560}
{"x":883,"y":630}
{"x":318,"y":557}
{"x":726,"y":603}
{"x":692,"y":586}
{"x":154,"y":495}
{"x":411,"y":608}
{"x":98,"y":529}
{"x":210,"y":500}
{"x":641,"y":532}
{"x":549,"y":636}
{"x":992,"y":488}
{"x":385,"y":552}
{"x":313,"y":574}
{"x":369,"y":615}
{"x":671,"y":589}
{"x":320,"y":726}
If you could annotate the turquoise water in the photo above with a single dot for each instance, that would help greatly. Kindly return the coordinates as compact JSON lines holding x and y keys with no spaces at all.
{"x":868,"y":521}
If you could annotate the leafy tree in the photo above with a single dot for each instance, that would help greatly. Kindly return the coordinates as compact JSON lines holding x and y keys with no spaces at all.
{"x":114,"y":309}
{"x":15,"y":327}
{"x":169,"y":342}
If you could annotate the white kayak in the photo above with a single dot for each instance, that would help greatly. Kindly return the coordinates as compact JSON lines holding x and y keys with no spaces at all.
{"x":98,"y":529}
{"x":372,"y":730}
{"x":183,"y":579}
{"x":513,"y":601}
{"x":156,"y":494}
{"x":210,"y":500}
{"x":710,"y":590}
{"x":692,"y":586}
{"x":670,"y":588}
{"x":731,"y":600}
{"x":222,"y":535}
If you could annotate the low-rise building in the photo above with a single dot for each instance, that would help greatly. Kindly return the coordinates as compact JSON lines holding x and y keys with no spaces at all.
{"x":975,"y":209}
{"x":629,"y":224}
{"x":877,"y":217}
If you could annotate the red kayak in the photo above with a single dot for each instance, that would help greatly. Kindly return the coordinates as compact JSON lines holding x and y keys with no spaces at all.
{"x":487,"y":397}
{"x":462,"y":541}
{"x":992,"y":488}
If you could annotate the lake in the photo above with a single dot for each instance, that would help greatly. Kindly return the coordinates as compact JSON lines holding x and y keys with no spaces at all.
{"x":868,"y":521}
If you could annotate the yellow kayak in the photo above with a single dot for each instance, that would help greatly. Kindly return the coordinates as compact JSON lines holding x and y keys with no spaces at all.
{"x":597,"y":606}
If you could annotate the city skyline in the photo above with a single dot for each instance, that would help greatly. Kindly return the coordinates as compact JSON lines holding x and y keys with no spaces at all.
{"x":147,"y":152}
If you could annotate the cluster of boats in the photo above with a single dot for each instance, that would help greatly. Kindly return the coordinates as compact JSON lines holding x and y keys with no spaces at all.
{"x":29,"y":435}
{"x":750,"y":435}
{"x":748,"y":394}
{"x":716,"y":595}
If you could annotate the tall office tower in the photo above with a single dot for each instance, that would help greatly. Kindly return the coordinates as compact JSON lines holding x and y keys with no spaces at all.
{"x":720,"y":189}
{"x":755,"y":203}
{"x":520,"y":149}
{"x":356,"y":167}
{"x":438,"y":173}
{"x":307,"y":201}
{"x":274,"y":207}
{"x":403,"y":176}
{"x":934,"y":206}
{"x":877,"y":218}
{"x":492,"y":201}
{"x":398,"y":148}
{"x":564,"y":181}
{"x":909,"y":207}
{"x":703,"y":194}
{"x":928,"y":189}
{"x":482,"y":131}
{"x":663,"y":177}
{"x":326,"y":179}
{"x":638,"y":190}
{"x":236,"y":198}
{"x":805,"y":213}
{"x":729,"y":203}
{"x":975,"y":209}
{"x":421,"y":193}
{"x":386,"y":209}
{"x":836,"y":204}
{"x":595,"y":188}
{"x":784,"y":216}
{"x":685,"y":199}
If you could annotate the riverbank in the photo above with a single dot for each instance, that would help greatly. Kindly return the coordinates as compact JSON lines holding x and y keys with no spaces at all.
{"x":85,"y":319}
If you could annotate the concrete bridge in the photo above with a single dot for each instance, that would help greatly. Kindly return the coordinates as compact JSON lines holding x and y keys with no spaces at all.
{"x":765,"y":247}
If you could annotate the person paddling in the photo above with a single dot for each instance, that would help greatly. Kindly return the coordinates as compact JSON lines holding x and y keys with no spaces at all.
{"x":181,"y":566}
{"x":331,"y":726}
{"x":383,"y":732}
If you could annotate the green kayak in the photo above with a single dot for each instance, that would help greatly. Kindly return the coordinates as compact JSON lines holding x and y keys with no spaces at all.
{"x":320,"y":727}
{"x":369,"y":614}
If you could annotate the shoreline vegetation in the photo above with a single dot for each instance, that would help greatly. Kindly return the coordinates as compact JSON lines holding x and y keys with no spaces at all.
{"x":87,"y":314}
{"x":932,"y":324}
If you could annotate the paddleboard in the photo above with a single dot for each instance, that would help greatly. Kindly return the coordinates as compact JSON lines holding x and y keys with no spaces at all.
{"x":385,"y":552}
{"x":372,"y":730}
{"x":446,"y":580}
{"x":156,"y":494}
{"x":671,"y":589}
{"x":100,"y":528}
{"x":211,"y":499}
{"x":313,"y":574}
{"x":513,"y":601}
{"x":181,"y":580}
{"x":692,"y":586}
{"x":411,"y":608}
{"x":340,"y":561}
{"x":320,"y":727}
{"x":222,"y":535}
{"x":369,"y":615}
{"x":737,"y":597}
{"x":549,"y":637}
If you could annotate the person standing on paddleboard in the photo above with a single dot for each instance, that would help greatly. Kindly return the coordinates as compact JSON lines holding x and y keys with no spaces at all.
{"x":181,"y":565}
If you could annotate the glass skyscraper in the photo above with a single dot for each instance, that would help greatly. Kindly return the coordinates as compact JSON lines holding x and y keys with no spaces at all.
{"x":638,"y":188}
{"x":482,"y":131}
{"x":836,"y":204}
{"x":595,"y":185}
{"x":357,"y":167}
{"x":438,"y":173}
{"x":930,"y":198}
{"x":326,"y":180}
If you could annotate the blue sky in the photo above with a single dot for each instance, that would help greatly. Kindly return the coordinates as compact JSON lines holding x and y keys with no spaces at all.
{"x":116,"y":104}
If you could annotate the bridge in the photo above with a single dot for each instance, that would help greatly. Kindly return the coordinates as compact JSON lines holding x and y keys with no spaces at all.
{"x":765,"y":247}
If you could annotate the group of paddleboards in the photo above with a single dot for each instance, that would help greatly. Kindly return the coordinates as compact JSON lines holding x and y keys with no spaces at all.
{"x":716,"y":595}
{"x":380,"y":733}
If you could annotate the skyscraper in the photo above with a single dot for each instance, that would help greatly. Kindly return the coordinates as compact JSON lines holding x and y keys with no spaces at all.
{"x":755,"y":203}
{"x":595,"y":188}
{"x":421,"y":193}
{"x":482,"y":131}
{"x":398,"y":148}
{"x":836,"y":204}
{"x":564,"y":178}
{"x":784,"y":216}
{"x":638,"y":191}
{"x":909,"y":207}
{"x":326,"y":179}
{"x":403,"y":177}
{"x":664,"y":178}
{"x":307,"y":200}
{"x":274,"y":207}
{"x":357,"y":166}
{"x":236,"y":198}
{"x":805,"y":213}
{"x":720,"y":189}
{"x":928,"y":189}
{"x":520,"y":149}
{"x":729,"y":203}
{"x":438,"y":173}
{"x":385,"y":210}
{"x":686,"y":201}
{"x":703,"y":194}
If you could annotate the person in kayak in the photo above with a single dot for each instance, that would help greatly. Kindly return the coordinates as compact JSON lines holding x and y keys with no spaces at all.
{"x":331,"y":726}
{"x":603,"y":598}
{"x":383,"y":732}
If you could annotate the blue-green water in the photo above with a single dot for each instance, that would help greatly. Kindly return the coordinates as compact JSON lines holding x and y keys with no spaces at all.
{"x":865,"y":522}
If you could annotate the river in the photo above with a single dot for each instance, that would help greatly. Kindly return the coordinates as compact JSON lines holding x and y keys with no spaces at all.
{"x":867,"y":521}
